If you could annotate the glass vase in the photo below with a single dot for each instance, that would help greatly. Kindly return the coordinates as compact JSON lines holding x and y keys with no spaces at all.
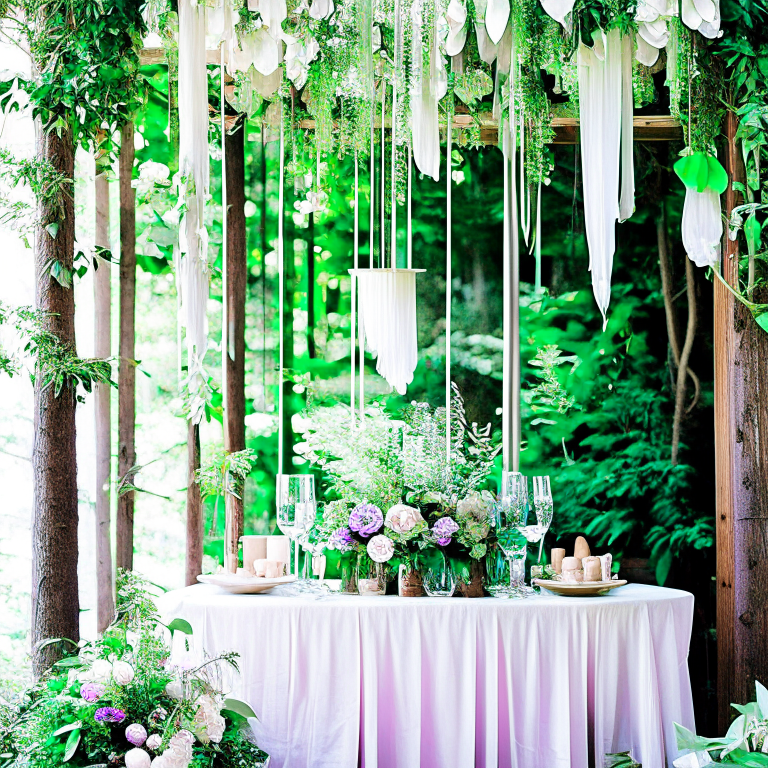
{"x":475,"y":586}
{"x":410,"y":581}
{"x":348,"y":571}
{"x":371,"y":577}
{"x":497,"y":582}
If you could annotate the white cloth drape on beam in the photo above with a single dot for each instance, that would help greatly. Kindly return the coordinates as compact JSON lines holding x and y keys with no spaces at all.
{"x":192,"y":255}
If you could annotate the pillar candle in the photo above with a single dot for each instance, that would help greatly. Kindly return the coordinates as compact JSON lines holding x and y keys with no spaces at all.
{"x":557,"y":559}
{"x":279,"y":548}
{"x":254,"y":548}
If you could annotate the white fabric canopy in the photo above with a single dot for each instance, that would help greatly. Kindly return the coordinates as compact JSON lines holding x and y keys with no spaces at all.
{"x":544,"y":682}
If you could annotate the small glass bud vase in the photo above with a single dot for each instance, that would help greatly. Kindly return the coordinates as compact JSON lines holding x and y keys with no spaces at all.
{"x":371,"y":577}
{"x":348,"y":570}
{"x":410,"y":582}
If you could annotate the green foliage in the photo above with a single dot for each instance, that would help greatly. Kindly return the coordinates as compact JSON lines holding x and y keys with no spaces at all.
{"x":86,"y":56}
{"x":56,"y":363}
{"x":225,"y":473}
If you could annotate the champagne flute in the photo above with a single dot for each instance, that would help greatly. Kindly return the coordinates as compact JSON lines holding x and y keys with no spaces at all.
{"x":296,"y":509}
{"x":542,"y":503}
{"x":511,"y":517}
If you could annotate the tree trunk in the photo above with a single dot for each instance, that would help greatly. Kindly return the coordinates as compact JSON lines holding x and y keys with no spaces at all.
{"x":194,"y":563}
{"x":102,"y":284}
{"x":55,"y":600}
{"x":741,"y":418}
{"x":237,"y":277}
{"x":126,"y":377}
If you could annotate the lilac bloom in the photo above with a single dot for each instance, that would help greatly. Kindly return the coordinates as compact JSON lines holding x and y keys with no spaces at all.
{"x":92,"y":691}
{"x":366,"y":519}
{"x":443,"y":530}
{"x":341,"y":540}
{"x":109,"y":715}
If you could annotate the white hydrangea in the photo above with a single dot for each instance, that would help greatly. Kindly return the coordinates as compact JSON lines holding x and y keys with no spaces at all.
{"x":208,"y":723}
{"x":179,"y":752}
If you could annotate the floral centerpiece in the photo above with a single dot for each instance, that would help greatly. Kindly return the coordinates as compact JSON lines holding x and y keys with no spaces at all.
{"x":120,"y":701}
{"x":396,"y":497}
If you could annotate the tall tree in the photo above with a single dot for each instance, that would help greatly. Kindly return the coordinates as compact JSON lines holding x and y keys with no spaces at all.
{"x":102,"y":283}
{"x":237,"y":277}
{"x":55,"y":601}
{"x":126,"y":376}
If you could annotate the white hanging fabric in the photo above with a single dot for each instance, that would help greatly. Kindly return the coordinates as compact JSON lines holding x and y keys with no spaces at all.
{"x":702,"y":226}
{"x":627,"y":198}
{"x":600,"y":91}
{"x":387,"y":317}
{"x":424,"y":95}
{"x":192,"y":255}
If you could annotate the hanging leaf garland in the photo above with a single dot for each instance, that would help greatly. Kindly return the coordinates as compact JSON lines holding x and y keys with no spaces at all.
{"x":701,"y":171}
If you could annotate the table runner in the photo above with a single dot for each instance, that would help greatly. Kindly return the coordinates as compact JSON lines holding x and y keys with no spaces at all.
{"x":389,"y":682}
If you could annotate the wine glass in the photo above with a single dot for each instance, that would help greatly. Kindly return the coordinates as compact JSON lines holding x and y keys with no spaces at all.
{"x":296,"y":509}
{"x":511,"y":518}
{"x":542,"y":503}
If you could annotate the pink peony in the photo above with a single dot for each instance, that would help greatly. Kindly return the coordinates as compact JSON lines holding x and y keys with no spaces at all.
{"x":92,"y":692}
{"x":401,"y":518}
{"x":380,"y":549}
{"x":136,"y":734}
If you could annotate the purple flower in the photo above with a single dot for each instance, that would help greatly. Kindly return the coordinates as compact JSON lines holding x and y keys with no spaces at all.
{"x":92,"y":691}
{"x":341,"y":540}
{"x":366,"y":519}
{"x":443,"y":529}
{"x":109,"y":715}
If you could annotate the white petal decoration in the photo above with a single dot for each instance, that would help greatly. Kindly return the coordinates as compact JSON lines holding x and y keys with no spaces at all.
{"x":711,"y":29}
{"x":655,"y":33}
{"x":627,"y":198}
{"x":457,"y":28}
{"x":496,"y":18}
{"x":702,"y":227}
{"x":264,"y":51}
{"x":645,"y":53}
{"x":191,"y":257}
{"x":690,"y":15}
{"x":265,"y":85}
{"x":424,"y":124}
{"x":388,"y":322}
{"x":706,"y":9}
{"x":600,"y":87}
{"x":321,"y":9}
{"x":558,"y":9}
{"x":485,"y":46}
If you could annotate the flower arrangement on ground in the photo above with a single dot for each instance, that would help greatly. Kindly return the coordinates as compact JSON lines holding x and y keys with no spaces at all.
{"x":120,"y":701}
{"x":398,"y":498}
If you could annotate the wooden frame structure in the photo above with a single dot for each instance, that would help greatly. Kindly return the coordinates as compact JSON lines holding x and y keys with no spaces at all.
{"x":741,"y":418}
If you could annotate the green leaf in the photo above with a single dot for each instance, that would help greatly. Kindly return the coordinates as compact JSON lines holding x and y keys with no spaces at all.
{"x":72,"y":744}
{"x":717,"y":178}
{"x":693,"y":171}
{"x":662,"y":567}
{"x":238,"y":707}
{"x":752,"y":229}
{"x":70,"y":661}
{"x":180,"y":625}
{"x":750,"y":759}
{"x":762,"y":695}
{"x":52,"y":229}
{"x":67,"y":728}
{"x":762,"y":320}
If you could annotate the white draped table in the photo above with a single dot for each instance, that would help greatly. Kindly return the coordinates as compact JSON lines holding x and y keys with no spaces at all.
{"x":389,"y":682}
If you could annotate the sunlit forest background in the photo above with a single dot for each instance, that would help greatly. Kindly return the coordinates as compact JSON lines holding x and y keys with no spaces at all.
{"x":609,"y":456}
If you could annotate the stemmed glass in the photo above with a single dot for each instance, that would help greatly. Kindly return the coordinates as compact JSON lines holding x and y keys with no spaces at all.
{"x":542,"y":503}
{"x":296,"y":510}
{"x":511,"y":515}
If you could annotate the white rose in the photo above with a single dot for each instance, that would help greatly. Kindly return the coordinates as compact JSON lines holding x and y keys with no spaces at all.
{"x":154,"y":741}
{"x":122,"y":672}
{"x":209,"y":725}
{"x":100,"y":672}
{"x":175,"y":690}
{"x":380,"y":548}
{"x":137,"y":758}
{"x":401,"y":518}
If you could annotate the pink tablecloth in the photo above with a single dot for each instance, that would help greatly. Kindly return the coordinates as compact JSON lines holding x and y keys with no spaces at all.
{"x":388,"y":682}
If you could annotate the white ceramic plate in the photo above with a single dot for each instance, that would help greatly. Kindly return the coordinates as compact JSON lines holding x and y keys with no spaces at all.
{"x":245,"y":585}
{"x":583,"y":589}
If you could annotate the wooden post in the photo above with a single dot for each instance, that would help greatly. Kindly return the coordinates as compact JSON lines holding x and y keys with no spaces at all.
{"x":55,"y":603}
{"x":741,"y":417}
{"x":102,"y":288}
{"x":237,"y":277}
{"x":126,"y":376}
{"x":194,"y":559}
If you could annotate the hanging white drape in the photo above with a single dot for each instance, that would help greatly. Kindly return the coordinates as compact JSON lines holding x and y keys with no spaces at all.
{"x":387,"y":318}
{"x":600,"y":113}
{"x":192,"y":254}
{"x":702,"y":226}
{"x":425,"y":95}
{"x":627,"y":198}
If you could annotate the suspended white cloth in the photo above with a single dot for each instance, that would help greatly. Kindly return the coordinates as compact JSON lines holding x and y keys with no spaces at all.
{"x":627,"y":199}
{"x":192,"y":255}
{"x":425,"y":95}
{"x":600,"y":110}
{"x":702,"y":226}
{"x":387,"y":320}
